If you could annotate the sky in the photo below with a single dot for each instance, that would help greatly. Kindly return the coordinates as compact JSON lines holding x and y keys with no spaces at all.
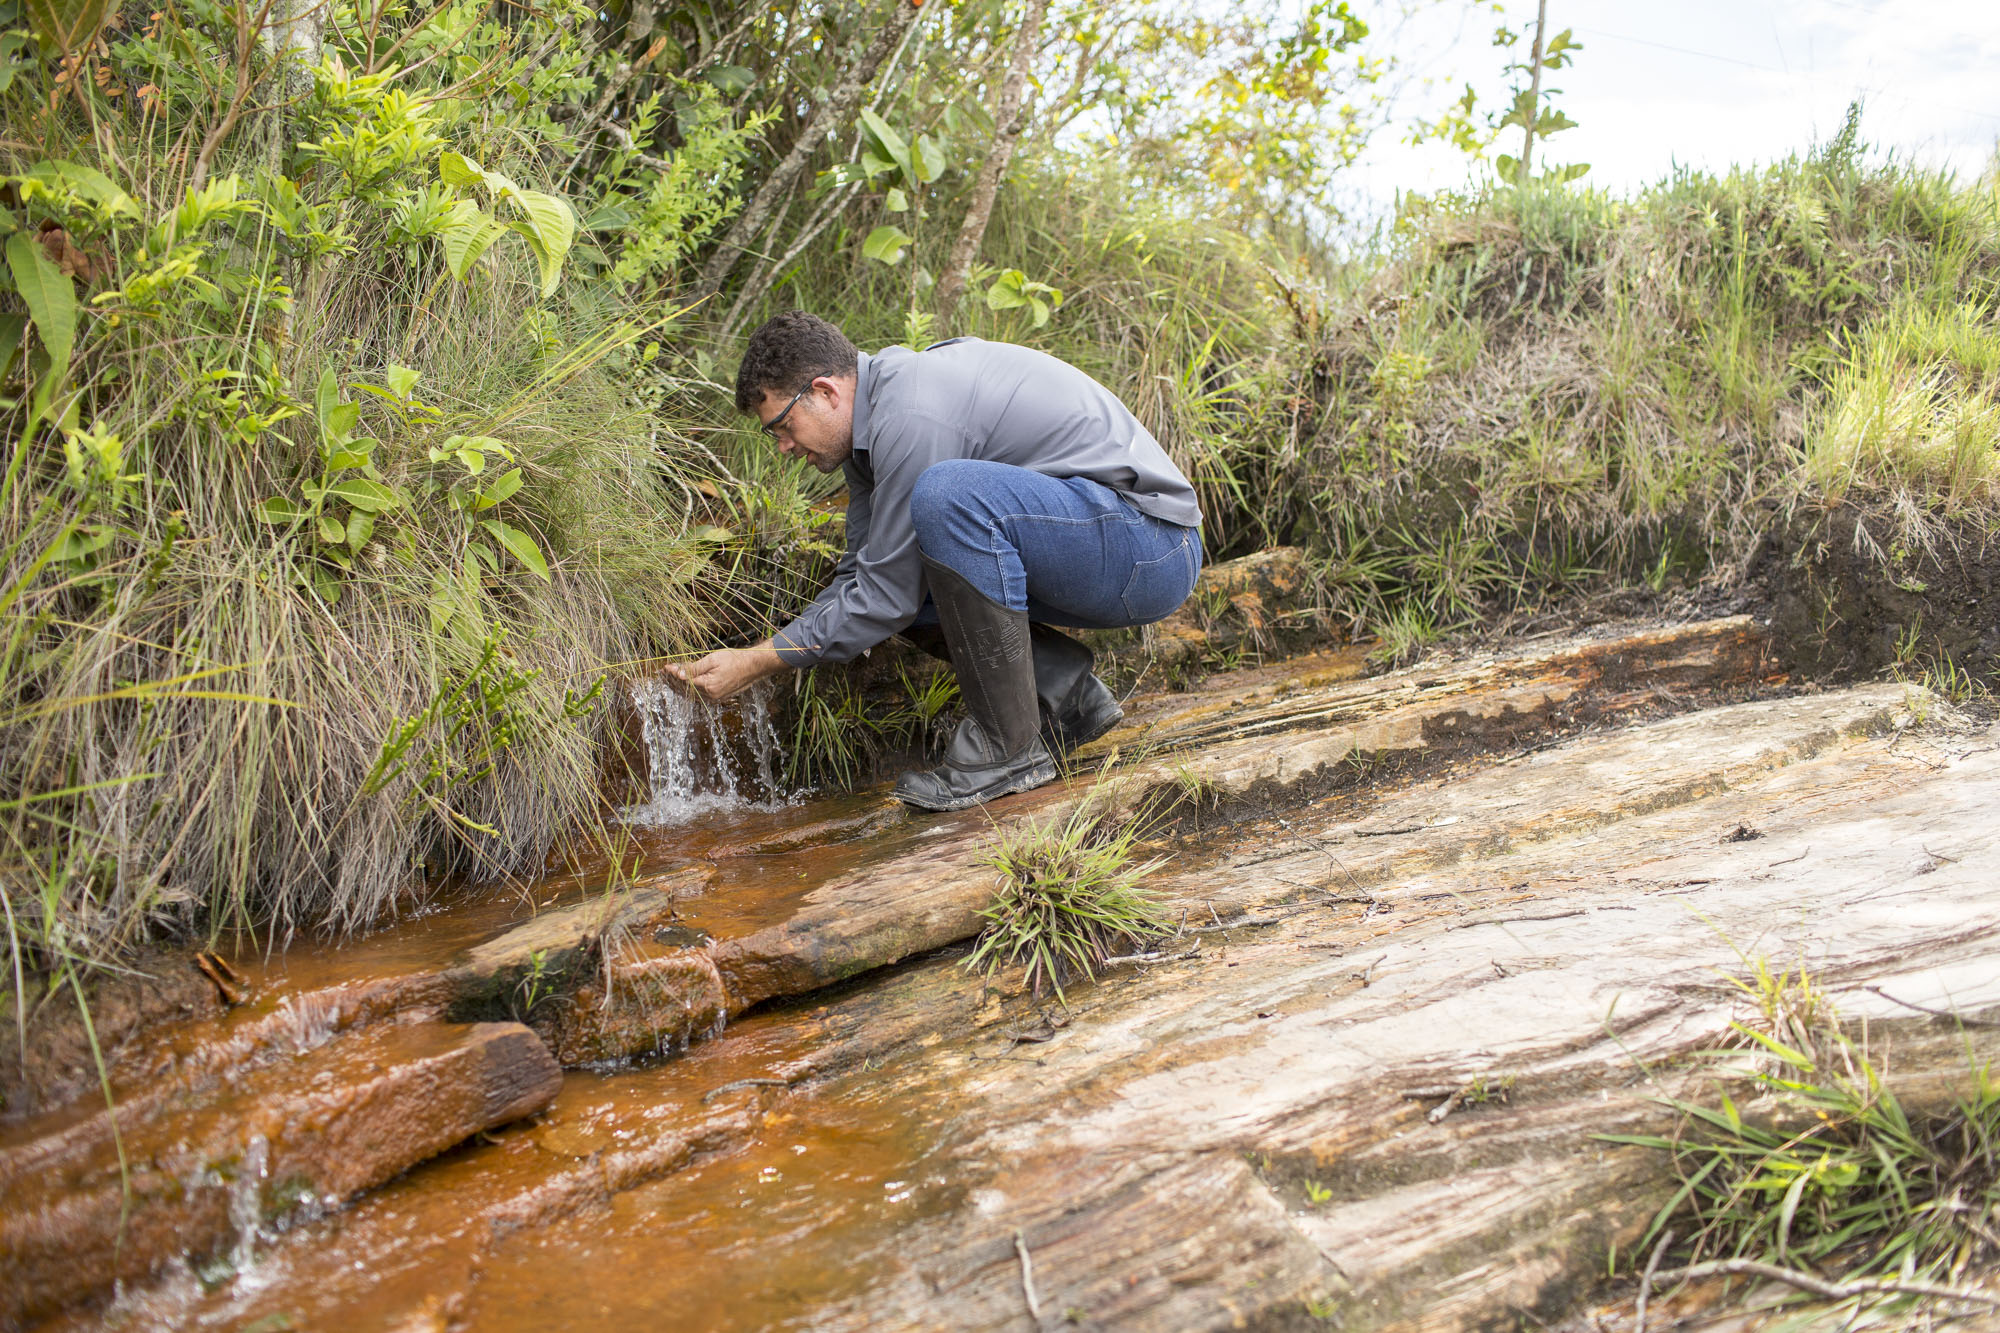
{"x":1710,"y":84}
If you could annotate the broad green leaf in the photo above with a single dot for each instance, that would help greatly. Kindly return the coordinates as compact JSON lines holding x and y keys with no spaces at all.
{"x":730,"y":80}
{"x":326,"y":397}
{"x":892,"y":144}
{"x":70,"y":26}
{"x":897,"y":202}
{"x":475,"y":462}
{"x":50,"y":298}
{"x":551,"y":224}
{"x":79,"y":543}
{"x":402,"y":379}
{"x":874,"y":164}
{"x":886,"y":243}
{"x":708,"y":532}
{"x":362,"y":494}
{"x":340,"y":460}
{"x":331,"y":529}
{"x":89,"y":182}
{"x":360,"y":527}
{"x":930,"y":158}
{"x":1005,"y":293}
{"x":519,"y":544}
{"x":503,"y":486}
{"x":280,"y":510}
{"x":466,"y":234}
{"x":459,"y":170}
{"x":339,"y":422}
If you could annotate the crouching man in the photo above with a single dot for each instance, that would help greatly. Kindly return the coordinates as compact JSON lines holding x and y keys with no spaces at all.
{"x":993,"y":492}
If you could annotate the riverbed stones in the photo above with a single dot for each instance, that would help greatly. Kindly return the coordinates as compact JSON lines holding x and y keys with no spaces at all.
{"x":199,"y":1180}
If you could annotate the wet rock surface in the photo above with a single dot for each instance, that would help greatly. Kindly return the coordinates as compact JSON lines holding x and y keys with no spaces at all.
{"x":309,"y":1132}
{"x":1440,"y":927}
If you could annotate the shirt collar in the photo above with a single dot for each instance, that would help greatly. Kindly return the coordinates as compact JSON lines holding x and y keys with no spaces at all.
{"x":864,"y":384}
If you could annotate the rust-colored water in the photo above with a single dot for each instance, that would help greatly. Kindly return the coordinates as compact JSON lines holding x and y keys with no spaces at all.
{"x":626,"y":1198}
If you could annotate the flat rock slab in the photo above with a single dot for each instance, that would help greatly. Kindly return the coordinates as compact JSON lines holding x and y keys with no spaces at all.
{"x":1282,"y":741}
{"x":314,"y":1130}
{"x":1241,"y":1130}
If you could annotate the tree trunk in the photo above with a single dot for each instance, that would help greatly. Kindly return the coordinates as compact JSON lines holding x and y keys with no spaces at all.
{"x":1527,"y":170}
{"x":1008,"y":122}
{"x":832,"y":114}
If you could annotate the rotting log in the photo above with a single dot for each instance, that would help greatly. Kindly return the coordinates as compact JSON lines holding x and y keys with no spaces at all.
{"x":317,"y":1129}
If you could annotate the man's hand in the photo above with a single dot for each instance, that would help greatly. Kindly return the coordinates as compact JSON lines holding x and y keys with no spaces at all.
{"x":727,"y":670}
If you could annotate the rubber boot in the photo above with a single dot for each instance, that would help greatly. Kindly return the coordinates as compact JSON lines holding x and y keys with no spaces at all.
{"x":1077,"y":707}
{"x":997,"y":749}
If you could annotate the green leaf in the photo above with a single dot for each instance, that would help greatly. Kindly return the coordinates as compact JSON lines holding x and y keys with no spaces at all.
{"x":730,"y":80}
{"x":50,"y":298}
{"x":893,"y":145}
{"x":402,"y":379}
{"x":13,"y":330}
{"x":475,"y":462}
{"x":280,"y":510}
{"x":519,"y":544}
{"x":930,"y":158}
{"x":897,"y":202}
{"x":326,"y":396}
{"x":360,"y":527}
{"x":503,"y":486}
{"x":550,"y":226}
{"x":89,"y":182}
{"x":886,"y":243}
{"x":339,"y":422}
{"x":70,"y":26}
{"x":466,"y":234}
{"x":331,"y":529}
{"x":461,"y":171}
{"x":362,"y":494}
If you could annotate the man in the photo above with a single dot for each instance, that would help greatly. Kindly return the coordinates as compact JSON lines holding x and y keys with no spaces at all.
{"x":1015,"y":490}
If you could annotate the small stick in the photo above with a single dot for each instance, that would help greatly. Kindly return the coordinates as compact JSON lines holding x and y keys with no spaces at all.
{"x":1028,"y":1277}
{"x":1448,"y":1105}
{"x":717,"y":1091}
{"x":1935,"y":1013}
{"x":1646,"y":1282}
{"x":1818,"y":1286}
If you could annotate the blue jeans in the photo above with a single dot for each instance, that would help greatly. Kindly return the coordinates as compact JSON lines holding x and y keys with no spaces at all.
{"x":1065,"y":550}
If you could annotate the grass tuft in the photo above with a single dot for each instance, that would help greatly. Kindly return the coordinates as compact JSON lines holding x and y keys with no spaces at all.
{"x":1069,"y":899}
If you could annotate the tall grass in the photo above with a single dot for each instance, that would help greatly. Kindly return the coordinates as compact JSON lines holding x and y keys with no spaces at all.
{"x":226,"y":711}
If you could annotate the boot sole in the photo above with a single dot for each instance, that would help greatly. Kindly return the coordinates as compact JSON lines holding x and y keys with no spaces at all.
{"x":1033,"y":778}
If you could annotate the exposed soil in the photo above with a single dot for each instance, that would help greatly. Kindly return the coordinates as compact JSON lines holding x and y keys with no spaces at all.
{"x":161,"y":987}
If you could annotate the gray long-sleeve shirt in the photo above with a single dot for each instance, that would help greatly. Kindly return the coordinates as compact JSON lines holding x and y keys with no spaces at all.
{"x":966,"y":398}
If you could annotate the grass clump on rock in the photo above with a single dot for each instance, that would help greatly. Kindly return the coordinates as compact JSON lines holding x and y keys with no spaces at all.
{"x":1069,"y":900}
{"x":1841,"y":1190}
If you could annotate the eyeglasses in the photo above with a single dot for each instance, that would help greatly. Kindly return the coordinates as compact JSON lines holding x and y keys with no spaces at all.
{"x":770,"y":427}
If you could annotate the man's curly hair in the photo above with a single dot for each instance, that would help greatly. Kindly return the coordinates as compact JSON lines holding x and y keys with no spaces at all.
{"x":788,"y":352}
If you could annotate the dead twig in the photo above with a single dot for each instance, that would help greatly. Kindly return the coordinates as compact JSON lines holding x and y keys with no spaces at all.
{"x":734,"y":1084}
{"x":1819,"y":1286}
{"x":1646,"y":1282}
{"x":1935,"y":1013}
{"x":1028,"y":1277}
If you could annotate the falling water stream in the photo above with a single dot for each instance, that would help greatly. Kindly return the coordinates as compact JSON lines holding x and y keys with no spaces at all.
{"x":705,"y":758}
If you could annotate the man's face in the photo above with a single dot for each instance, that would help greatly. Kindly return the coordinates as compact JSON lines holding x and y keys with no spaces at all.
{"x":818,"y":427}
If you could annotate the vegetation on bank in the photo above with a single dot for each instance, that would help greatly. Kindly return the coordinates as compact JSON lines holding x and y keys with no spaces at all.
{"x":362,"y":385}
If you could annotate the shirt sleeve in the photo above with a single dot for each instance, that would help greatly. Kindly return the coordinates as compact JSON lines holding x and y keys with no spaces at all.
{"x":878,"y":585}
